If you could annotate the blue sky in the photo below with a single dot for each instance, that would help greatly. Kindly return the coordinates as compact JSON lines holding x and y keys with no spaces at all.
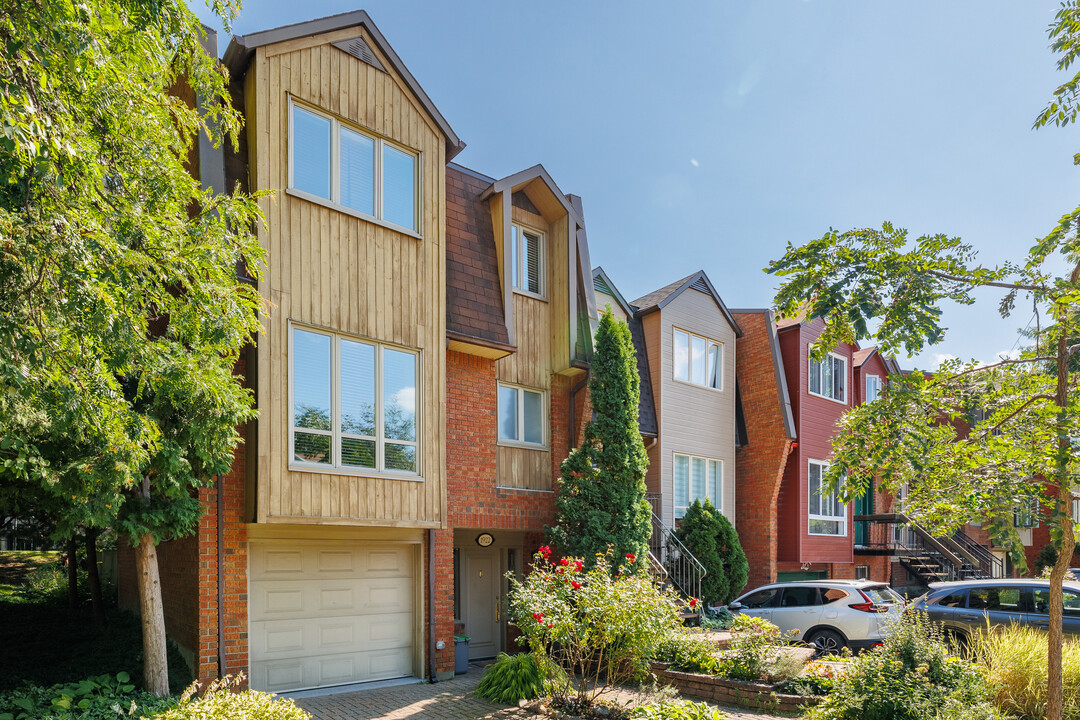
{"x":708,"y":135}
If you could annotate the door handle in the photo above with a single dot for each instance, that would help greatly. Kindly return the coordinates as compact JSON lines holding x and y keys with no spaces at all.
{"x":498,"y":609}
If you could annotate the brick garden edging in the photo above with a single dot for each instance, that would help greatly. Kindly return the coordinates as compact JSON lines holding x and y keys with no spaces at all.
{"x":733,"y":692}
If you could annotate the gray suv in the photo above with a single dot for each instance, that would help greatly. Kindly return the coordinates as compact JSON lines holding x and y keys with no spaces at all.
{"x":967,"y":606}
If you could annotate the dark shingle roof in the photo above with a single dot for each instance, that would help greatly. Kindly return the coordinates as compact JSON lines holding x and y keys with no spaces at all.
{"x":474,"y":306}
{"x":647,"y":424}
{"x":699,"y":281}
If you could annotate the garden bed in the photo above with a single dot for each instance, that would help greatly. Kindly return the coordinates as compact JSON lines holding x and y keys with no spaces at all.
{"x":732,"y":692}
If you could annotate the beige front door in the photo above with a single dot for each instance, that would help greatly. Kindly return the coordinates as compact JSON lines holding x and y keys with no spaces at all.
{"x":480,"y":586}
{"x":330,"y":612}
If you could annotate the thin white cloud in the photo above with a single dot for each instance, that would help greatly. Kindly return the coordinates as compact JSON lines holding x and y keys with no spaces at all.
{"x":694,"y":162}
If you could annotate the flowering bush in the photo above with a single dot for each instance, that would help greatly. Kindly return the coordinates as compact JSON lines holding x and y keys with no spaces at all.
{"x":910,"y":677}
{"x":603,"y":627}
{"x":817,"y":678}
{"x":753,"y":649}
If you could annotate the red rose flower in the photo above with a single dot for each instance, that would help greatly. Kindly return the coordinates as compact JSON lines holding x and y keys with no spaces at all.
{"x":551,"y":625}
{"x":544,"y":550}
{"x":537,"y":616}
{"x":693,"y":602}
{"x":576,"y":585}
{"x":578,"y":565}
{"x":564,"y":562}
{"x":631,"y":557}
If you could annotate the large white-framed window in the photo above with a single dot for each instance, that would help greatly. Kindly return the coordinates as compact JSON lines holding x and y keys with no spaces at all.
{"x":697,"y":478}
{"x":873,"y":387}
{"x":528,"y":260}
{"x":697,"y":359}
{"x":827,"y":514}
{"x":353,"y":170}
{"x":522,"y":416}
{"x":355,"y":404}
{"x":828,"y":378}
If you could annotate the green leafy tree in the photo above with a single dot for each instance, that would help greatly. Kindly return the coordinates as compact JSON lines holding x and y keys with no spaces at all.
{"x":712,"y":539}
{"x":601,"y":502}
{"x":881,"y":284}
{"x":121,"y":315}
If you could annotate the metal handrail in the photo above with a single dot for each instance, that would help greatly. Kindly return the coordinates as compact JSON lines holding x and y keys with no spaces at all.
{"x":684,"y":570}
{"x":990,"y":564}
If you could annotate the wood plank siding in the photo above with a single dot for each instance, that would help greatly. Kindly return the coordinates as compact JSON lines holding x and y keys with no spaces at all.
{"x":542,"y":336}
{"x":694,"y":420}
{"x":334,"y":271}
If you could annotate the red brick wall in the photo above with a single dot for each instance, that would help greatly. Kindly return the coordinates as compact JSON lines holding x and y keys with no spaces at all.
{"x":472,"y":498}
{"x":759,"y":466}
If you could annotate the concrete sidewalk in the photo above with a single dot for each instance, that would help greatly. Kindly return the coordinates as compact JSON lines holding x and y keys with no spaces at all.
{"x":453,"y":700}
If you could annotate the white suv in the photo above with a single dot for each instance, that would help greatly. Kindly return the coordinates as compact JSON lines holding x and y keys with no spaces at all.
{"x":829,"y":613}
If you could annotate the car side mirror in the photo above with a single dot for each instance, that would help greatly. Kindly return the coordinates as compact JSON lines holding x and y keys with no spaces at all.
{"x":735,"y":606}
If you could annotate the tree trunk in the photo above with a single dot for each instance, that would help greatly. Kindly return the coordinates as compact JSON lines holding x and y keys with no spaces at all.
{"x":1055,"y":700}
{"x":73,"y":573}
{"x":93,"y":576}
{"x":155,"y":661}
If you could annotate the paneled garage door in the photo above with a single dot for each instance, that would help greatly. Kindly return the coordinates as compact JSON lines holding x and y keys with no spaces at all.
{"x":330,"y":612}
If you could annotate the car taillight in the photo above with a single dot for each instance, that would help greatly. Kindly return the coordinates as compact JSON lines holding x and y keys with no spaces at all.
{"x":868,"y":606}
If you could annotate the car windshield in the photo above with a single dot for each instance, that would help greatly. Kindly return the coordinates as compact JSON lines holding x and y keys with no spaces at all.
{"x":883,"y":595}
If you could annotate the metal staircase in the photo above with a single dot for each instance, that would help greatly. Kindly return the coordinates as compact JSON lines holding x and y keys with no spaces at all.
{"x":679,"y":568}
{"x":928,"y":558}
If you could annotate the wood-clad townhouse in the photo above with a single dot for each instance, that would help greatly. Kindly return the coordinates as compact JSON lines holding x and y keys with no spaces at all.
{"x":311,"y":566}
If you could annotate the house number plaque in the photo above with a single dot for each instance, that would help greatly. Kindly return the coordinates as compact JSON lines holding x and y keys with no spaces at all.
{"x":484,"y":539}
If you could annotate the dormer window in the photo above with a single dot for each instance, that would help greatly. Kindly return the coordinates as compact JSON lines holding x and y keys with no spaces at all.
{"x":527,"y":261}
{"x":342,"y":166}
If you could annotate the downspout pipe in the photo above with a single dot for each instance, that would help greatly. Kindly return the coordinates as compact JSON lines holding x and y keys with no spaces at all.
{"x":432,"y":675}
{"x":220,"y":577}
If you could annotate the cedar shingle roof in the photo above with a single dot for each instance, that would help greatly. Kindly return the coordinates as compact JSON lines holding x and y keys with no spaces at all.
{"x":474,"y":306}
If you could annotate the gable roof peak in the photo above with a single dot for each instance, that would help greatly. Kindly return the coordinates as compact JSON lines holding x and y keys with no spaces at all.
{"x":658,"y":299}
{"x":242,"y":48}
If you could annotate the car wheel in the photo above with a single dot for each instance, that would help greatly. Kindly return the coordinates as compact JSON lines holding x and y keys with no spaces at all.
{"x":828,"y":642}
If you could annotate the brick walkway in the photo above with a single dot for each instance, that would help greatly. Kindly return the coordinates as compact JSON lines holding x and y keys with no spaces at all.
{"x":453,"y":700}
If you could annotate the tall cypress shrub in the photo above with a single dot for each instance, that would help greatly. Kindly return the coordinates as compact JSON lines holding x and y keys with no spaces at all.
{"x":600,"y":504}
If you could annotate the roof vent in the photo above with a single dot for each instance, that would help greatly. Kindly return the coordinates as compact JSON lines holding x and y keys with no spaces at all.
{"x":701,"y":286}
{"x":361,"y":51}
{"x":600,"y":286}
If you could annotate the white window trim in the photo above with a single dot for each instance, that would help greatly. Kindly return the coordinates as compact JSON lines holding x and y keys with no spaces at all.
{"x":809,"y":369}
{"x":335,"y":467}
{"x":718,"y":503}
{"x":842,"y":519}
{"x":880,"y":387}
{"x":515,"y":252}
{"x":521,"y":389}
{"x":333,"y":202}
{"x":708,"y":340}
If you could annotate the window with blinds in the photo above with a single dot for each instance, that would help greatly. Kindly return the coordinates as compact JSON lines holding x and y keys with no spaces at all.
{"x":528,"y":261}
{"x":827,"y":514}
{"x":697,"y":478}
{"x":354,"y":404}
{"x":350,"y":170}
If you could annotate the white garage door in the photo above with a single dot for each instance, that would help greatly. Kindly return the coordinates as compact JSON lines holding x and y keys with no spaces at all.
{"x":330,"y":612}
